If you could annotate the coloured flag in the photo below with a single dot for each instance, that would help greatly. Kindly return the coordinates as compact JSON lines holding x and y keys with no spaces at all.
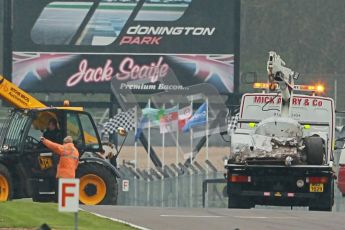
{"x":153,"y":115}
{"x":183,"y":115}
{"x":199,"y":118}
{"x":150,"y":116}
{"x":142,"y":124}
{"x":169,"y":122}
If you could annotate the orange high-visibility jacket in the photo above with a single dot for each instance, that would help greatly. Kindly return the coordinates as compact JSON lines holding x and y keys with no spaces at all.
{"x":69,"y":158}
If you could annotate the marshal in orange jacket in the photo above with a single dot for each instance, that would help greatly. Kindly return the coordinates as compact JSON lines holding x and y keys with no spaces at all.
{"x":69,"y":157}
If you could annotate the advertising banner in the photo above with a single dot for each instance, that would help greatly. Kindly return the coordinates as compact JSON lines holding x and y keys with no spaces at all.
{"x":80,"y":46}
{"x":138,"y":73}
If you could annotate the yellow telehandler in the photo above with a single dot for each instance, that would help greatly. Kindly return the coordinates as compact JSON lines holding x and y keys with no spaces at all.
{"x":27,"y":168}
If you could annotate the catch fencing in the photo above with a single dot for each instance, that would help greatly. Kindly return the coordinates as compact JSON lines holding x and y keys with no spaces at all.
{"x":172,"y":186}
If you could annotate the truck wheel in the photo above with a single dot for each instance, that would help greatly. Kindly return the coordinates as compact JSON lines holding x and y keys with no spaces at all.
{"x":6,"y":188}
{"x":239,"y":202}
{"x":314,"y":149}
{"x":97,"y":184}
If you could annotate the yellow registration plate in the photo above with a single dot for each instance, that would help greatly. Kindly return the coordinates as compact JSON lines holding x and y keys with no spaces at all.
{"x":45,"y":162}
{"x":316,"y":187}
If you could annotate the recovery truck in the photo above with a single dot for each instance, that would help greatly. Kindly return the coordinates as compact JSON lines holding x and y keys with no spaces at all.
{"x":28,"y":169}
{"x":282,"y":148}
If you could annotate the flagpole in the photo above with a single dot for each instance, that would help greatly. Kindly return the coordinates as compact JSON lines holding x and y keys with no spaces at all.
{"x":163,"y":146}
{"x":135,"y":152}
{"x":191,"y":162}
{"x":149,"y":140}
{"x":207,"y":132}
{"x":177,"y":157}
{"x":191,"y":145}
{"x":135,"y":141}
{"x":148,"y":156}
{"x":163,"y":163}
{"x":191,"y":138}
{"x":177,"y":137}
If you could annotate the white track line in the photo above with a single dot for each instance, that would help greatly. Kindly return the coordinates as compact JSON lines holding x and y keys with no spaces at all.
{"x":265,"y":217}
{"x":190,"y":216}
{"x":117,"y":220}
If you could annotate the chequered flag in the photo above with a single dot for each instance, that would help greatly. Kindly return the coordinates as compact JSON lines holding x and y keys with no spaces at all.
{"x":124,"y":120}
{"x":232,"y":125}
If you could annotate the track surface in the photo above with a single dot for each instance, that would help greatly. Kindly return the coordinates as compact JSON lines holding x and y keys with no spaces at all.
{"x":219,"y":219}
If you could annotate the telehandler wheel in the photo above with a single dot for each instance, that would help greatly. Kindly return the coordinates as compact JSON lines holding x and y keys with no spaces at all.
{"x":315,"y":150}
{"x":5,"y":184}
{"x":97,"y":184}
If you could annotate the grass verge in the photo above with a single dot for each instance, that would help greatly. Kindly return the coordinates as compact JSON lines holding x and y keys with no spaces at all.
{"x":27,"y":214}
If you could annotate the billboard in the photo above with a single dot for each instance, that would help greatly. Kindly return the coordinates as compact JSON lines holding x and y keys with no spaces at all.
{"x":81,"y":46}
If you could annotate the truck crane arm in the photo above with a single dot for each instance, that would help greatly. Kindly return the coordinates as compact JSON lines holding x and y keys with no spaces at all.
{"x":17,"y":97}
{"x":284,"y":77}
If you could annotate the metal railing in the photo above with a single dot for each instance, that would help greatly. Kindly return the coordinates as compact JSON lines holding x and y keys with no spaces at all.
{"x":171,"y":186}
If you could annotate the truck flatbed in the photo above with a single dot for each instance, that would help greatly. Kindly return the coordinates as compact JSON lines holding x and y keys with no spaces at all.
{"x":243,"y":166}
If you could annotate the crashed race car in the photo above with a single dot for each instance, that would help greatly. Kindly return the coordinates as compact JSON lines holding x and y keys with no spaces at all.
{"x":278,"y":140}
